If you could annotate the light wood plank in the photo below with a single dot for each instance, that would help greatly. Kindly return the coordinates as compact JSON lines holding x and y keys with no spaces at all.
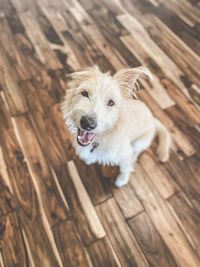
{"x":86,"y":203}
{"x":127,"y":201}
{"x":158,"y":175}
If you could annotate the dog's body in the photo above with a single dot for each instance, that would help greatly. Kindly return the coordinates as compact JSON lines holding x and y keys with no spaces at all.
{"x":111,"y":127}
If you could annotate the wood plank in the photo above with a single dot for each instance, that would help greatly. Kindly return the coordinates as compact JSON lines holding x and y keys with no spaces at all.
{"x":148,"y":49}
{"x":127,"y":201}
{"x":4,"y":171}
{"x":79,"y":42}
{"x":173,"y":46}
{"x":96,"y":186}
{"x":189,"y":224}
{"x":39,"y":41}
{"x":111,"y":29}
{"x":163,"y":220}
{"x":155,"y":250}
{"x":183,"y":103}
{"x":15,"y":48}
{"x":193,"y":165}
{"x":102,"y":253}
{"x":40,"y":245}
{"x":161,"y":179}
{"x":69,"y":245}
{"x":43,"y":179}
{"x":185,"y":179}
{"x":86,"y":203}
{"x":47,"y":28}
{"x":187,"y":12}
{"x":7,"y":200}
{"x":180,"y":139}
{"x":11,"y":242}
{"x":185,"y":124}
{"x":122,"y":241}
{"x":11,"y":91}
{"x":174,"y":22}
{"x":78,"y":200}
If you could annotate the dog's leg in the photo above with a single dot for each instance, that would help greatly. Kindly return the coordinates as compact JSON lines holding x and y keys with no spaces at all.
{"x":142,"y":143}
{"x":126,"y":167}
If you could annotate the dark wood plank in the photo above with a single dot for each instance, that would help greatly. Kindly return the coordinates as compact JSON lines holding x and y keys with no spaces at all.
{"x":190,"y":224}
{"x":185,"y":124}
{"x":16,"y":48}
{"x":69,"y":245}
{"x":7,"y":201}
{"x":174,"y":22}
{"x":40,"y":171}
{"x":163,"y":220}
{"x":11,"y":242}
{"x":111,"y":30}
{"x":102,"y":254}
{"x":122,"y":241}
{"x":155,"y":250}
{"x":185,"y":179}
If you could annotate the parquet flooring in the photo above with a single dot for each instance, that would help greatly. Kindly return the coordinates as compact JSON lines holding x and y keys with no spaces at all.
{"x":55,"y":210}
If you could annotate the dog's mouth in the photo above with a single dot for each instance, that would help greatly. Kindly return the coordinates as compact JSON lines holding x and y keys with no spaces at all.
{"x":84,"y":138}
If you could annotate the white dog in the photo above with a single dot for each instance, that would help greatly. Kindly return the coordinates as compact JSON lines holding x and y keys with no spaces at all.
{"x":109,"y":124}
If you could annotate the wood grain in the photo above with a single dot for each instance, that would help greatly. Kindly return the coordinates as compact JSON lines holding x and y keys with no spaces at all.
{"x":69,"y":245}
{"x":11,"y":242}
{"x":150,"y":241}
{"x":102,"y":253}
{"x":163,"y":220}
{"x":123,"y":242}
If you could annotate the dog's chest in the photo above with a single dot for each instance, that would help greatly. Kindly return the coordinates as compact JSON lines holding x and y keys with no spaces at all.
{"x":103,"y":155}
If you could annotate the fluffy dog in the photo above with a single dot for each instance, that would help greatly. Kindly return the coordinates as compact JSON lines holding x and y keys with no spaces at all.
{"x":110,"y":125}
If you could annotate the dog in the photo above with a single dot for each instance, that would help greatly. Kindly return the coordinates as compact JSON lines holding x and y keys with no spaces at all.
{"x":109,"y":124}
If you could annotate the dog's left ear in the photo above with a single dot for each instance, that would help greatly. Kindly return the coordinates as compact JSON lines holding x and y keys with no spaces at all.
{"x":127,"y":79}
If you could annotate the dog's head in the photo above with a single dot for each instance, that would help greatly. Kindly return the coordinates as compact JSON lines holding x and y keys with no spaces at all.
{"x":93,"y":100}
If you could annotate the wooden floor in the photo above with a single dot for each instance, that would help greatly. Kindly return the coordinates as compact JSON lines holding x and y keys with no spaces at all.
{"x":55,"y":210}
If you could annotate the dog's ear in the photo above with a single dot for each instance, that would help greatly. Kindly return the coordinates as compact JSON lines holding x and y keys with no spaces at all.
{"x":127,"y":79}
{"x":77,"y":77}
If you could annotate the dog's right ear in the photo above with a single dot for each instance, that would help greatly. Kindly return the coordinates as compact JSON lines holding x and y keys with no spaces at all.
{"x":127,"y":79}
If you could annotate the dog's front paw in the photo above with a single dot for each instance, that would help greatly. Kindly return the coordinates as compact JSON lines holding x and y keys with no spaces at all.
{"x":162,"y":155}
{"x":121,"y":180}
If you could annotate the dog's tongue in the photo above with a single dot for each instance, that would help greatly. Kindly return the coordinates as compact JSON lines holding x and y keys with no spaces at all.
{"x":85,"y":136}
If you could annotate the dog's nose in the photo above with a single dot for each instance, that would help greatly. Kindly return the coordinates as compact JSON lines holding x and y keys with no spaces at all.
{"x":88,"y":123}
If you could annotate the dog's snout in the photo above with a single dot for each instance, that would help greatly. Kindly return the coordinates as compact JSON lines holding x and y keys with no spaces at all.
{"x":88,"y":123}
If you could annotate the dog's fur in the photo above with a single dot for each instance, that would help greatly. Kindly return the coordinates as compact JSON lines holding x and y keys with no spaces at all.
{"x":124,"y":127}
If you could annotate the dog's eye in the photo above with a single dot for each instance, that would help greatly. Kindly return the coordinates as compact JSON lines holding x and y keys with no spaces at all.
{"x":85,"y":93}
{"x":111,"y":103}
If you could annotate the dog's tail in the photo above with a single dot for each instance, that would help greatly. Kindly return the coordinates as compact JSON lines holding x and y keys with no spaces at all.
{"x":164,"y":144}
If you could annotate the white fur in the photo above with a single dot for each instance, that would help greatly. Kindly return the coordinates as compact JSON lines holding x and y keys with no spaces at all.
{"x":124,"y":130}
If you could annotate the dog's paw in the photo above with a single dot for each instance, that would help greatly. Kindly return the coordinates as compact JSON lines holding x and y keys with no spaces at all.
{"x":163,"y":155}
{"x":121,"y":180}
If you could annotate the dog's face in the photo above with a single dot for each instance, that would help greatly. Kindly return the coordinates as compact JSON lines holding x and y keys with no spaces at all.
{"x":93,"y":101}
